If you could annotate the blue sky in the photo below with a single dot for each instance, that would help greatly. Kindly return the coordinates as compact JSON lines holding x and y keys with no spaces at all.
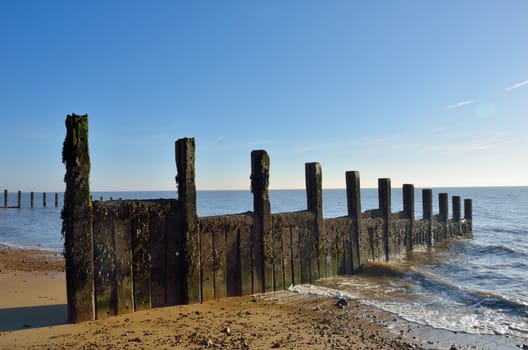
{"x":426,"y":92}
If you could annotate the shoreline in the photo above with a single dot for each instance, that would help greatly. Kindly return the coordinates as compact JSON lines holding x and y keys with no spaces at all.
{"x":33,"y":311}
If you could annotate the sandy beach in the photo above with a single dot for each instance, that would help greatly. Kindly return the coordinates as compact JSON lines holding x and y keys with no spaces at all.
{"x":33,"y":315}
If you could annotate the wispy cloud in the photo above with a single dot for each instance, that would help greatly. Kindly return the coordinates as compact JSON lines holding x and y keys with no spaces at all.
{"x":516,"y":86}
{"x":217,"y":140}
{"x":460,"y":104}
{"x":461,"y":148}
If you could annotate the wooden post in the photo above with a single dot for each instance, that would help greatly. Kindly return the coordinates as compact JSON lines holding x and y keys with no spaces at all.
{"x":408,"y":209}
{"x":314,"y":196}
{"x":185,"y":158}
{"x":427,"y":205}
{"x":6,"y":199}
{"x":77,"y":220}
{"x":19,"y":202}
{"x":456,"y":208}
{"x":354,"y":212}
{"x":262,"y":242}
{"x":384,"y":198}
{"x":57,"y":200}
{"x":32,"y":199}
{"x":443,"y":207}
{"x":468,"y":212}
{"x":44,"y":199}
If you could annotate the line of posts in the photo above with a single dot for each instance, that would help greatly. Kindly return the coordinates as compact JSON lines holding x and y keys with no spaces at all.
{"x":32,"y":200}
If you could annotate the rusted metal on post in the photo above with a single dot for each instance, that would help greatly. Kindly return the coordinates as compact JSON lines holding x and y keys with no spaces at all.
{"x":408,"y":209}
{"x":262,"y":238}
{"x":384,"y":198}
{"x":353,"y":191}
{"x":427,"y":205}
{"x":314,"y":196}
{"x":19,"y":200}
{"x":185,"y":164}
{"x":77,"y":219}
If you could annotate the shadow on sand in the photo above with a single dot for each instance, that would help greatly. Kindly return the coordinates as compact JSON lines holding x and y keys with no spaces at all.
{"x":33,"y":317}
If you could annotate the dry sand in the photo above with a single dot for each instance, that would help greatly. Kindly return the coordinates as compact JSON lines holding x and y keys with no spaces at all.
{"x":33,"y":316}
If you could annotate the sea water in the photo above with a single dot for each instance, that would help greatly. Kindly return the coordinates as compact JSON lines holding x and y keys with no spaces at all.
{"x":476,"y":286}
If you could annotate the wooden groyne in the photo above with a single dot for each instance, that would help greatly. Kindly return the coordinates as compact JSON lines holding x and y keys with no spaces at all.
{"x":128,"y":255}
{"x":31,"y":200}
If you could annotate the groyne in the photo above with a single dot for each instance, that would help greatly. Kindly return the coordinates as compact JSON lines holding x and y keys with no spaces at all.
{"x":31,"y":200}
{"x":128,"y":255}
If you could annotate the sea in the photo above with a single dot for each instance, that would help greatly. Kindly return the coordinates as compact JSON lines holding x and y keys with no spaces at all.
{"x":468,"y":290}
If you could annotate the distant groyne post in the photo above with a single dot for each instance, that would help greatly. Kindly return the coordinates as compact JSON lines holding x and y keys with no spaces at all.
{"x":384,"y":198}
{"x":408,"y":210}
{"x":44,"y":201}
{"x":427,"y":208}
{"x":6,"y":200}
{"x":32,"y":199}
{"x":456,"y":208}
{"x":56,"y":200}
{"x":468,"y":213}
{"x":77,"y":221}
{"x":19,"y":200}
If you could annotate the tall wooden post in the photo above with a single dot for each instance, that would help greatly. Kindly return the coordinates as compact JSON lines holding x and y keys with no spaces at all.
{"x":384,"y":198}
{"x":427,"y":202}
{"x":443,"y":207}
{"x":354,"y":211}
{"x":408,"y":209}
{"x":263,"y":279}
{"x":443,"y":216}
{"x":32,"y":199}
{"x":77,"y":219}
{"x":456,"y":208}
{"x":314,"y":196}
{"x":19,"y":201}
{"x":468,"y":213}
{"x":185,"y":159}
{"x":6,"y":199}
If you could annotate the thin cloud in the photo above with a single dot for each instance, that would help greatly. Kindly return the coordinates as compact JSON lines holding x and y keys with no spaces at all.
{"x":460,"y":104}
{"x":217,"y":140}
{"x":516,"y":86}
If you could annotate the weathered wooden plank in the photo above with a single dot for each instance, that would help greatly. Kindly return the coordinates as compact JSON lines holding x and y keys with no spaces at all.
{"x":257,"y":256}
{"x":141,"y":262}
{"x":220,"y":261}
{"x":278,"y":267}
{"x":287,"y":256}
{"x":123,"y":254}
{"x":158,"y":271}
{"x":305,"y":252}
{"x":246,"y":262}
{"x":105,"y":271}
{"x":174,"y":259}
{"x":207,"y":262}
{"x":296,"y":255}
{"x":233,"y":268}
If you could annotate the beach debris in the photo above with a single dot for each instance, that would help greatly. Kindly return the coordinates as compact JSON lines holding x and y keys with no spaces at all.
{"x":341,"y":303}
{"x":276,"y":345}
